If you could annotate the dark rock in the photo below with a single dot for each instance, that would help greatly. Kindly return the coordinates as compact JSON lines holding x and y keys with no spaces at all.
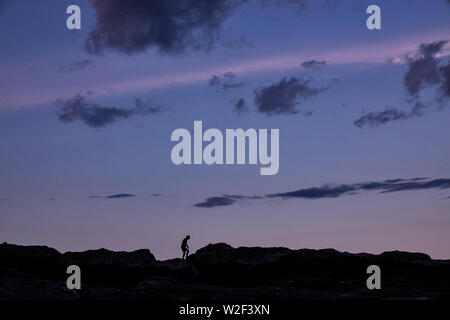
{"x":32,"y":252}
{"x":219,"y":271}
{"x":139,"y":258}
{"x":401,"y":256}
{"x":120,"y":268}
{"x":177,"y":268}
{"x":35,"y":260}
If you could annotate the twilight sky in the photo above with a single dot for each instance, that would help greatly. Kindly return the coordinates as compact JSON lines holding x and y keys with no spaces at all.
{"x":86,"y":118}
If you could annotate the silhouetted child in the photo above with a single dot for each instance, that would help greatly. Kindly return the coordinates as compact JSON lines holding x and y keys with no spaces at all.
{"x":185,"y":247}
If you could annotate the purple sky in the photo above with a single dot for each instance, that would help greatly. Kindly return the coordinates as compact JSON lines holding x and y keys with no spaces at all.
{"x":381,"y":113}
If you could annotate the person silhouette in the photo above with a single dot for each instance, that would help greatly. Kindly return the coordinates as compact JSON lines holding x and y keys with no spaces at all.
{"x":185,"y":247}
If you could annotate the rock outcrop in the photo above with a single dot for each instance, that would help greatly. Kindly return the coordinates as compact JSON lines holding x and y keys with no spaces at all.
{"x":219,"y":271}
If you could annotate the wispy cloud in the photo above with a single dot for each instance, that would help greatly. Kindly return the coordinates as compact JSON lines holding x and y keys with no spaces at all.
{"x":114,"y":196}
{"x":386,"y":186}
{"x":373,"y":53}
{"x":215,"y":202}
{"x":313,"y":63}
{"x":423,"y":71}
{"x":338,"y":190}
{"x":240,"y":106}
{"x":97,"y":116}
{"x":377,"y":118}
{"x":224,"y":200}
{"x":226,"y":81}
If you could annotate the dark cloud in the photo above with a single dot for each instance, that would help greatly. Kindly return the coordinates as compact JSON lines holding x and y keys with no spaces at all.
{"x":241,"y":197}
{"x":216,"y":202}
{"x":406,"y":185}
{"x":226,"y":82}
{"x":75,"y":66}
{"x":240,"y":106}
{"x":114,"y":196}
{"x":284,"y":96}
{"x":338,"y":190}
{"x":423,"y":69}
{"x":314,"y":63}
{"x":387,"y":186}
{"x":316,"y":193}
{"x":120,"y":195}
{"x":171,"y":26}
{"x":97,"y":116}
{"x":378,"y":118}
{"x":224,"y":200}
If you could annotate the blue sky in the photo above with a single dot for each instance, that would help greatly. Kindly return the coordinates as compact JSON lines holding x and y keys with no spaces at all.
{"x":260,"y":42}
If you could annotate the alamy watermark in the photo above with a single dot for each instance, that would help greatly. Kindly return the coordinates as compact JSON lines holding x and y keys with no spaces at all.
{"x":237,"y":142}
{"x":74,"y":280}
{"x":374,"y":280}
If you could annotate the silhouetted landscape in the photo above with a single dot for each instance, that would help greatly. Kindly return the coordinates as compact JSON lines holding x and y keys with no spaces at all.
{"x":220,"y":272}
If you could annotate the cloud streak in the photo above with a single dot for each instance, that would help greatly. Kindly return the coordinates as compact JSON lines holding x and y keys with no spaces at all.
{"x":97,"y":116}
{"x":386,"y":186}
{"x":377,"y":118}
{"x":314,"y":63}
{"x":215,"y":202}
{"x":224,"y":200}
{"x":338,"y":190}
{"x":114,"y":196}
